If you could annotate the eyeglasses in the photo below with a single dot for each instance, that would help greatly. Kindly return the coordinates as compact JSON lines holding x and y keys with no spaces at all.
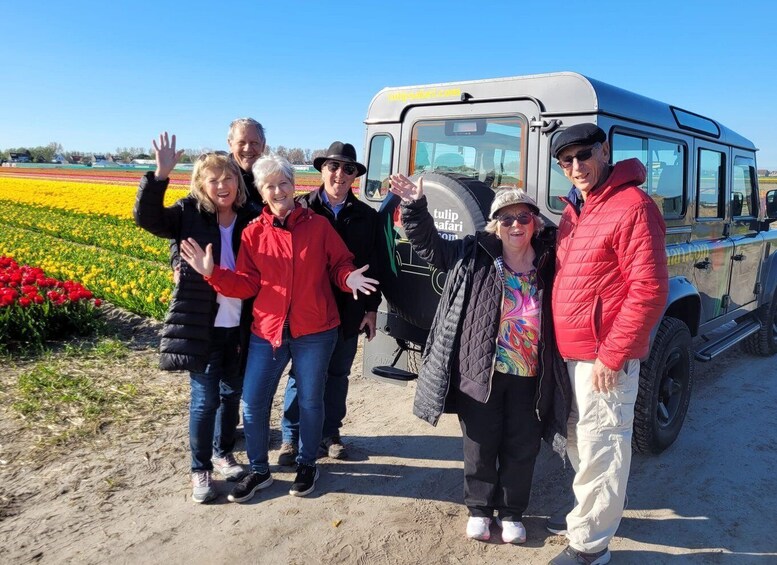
{"x":204,"y":156}
{"x":522,"y":219}
{"x":584,"y":155}
{"x":332,"y":166}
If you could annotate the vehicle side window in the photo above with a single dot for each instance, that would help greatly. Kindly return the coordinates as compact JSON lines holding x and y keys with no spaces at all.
{"x":558,"y":184}
{"x":665,"y":164}
{"x":743,"y":196}
{"x":710,"y":185}
{"x":378,"y":167}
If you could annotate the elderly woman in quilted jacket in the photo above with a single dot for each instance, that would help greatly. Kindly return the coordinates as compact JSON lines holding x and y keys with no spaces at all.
{"x":203,"y":329}
{"x":491,"y":351}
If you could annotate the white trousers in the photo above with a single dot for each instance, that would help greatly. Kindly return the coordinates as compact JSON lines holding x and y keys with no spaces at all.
{"x":599,"y":446}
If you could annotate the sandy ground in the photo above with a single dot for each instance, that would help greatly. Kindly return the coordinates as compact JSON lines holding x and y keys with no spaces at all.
{"x":124,"y":496}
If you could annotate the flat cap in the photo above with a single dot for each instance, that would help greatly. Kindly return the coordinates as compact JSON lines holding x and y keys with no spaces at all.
{"x":579,"y":134}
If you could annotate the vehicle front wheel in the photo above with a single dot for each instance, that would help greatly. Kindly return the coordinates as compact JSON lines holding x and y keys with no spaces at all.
{"x":665,"y":383}
{"x":764,"y":341}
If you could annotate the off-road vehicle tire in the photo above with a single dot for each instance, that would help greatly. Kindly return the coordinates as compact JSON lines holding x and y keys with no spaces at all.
{"x":665,"y":383}
{"x":764,"y":341}
{"x":411,"y":298}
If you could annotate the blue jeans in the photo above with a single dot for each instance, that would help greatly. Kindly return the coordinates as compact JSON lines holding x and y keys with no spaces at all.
{"x":310,"y":355}
{"x":335,"y":393}
{"x":215,"y":400}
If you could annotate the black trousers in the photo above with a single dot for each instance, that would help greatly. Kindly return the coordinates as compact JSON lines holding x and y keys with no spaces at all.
{"x":501,"y":442}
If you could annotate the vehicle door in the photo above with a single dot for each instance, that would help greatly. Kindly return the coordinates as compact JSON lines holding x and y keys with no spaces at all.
{"x":747,"y":240}
{"x":710,"y":248}
{"x":465,"y":152}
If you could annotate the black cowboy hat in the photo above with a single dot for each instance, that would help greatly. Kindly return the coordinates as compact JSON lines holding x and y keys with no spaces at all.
{"x":343,"y":152}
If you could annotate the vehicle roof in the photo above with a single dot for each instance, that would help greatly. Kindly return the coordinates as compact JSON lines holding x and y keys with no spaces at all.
{"x":558,"y":94}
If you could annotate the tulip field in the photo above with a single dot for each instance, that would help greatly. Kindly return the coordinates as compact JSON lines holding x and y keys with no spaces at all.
{"x":77,"y":226}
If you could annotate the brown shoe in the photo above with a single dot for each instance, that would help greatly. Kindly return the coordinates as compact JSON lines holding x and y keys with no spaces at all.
{"x":287,"y":456}
{"x":334,"y":448}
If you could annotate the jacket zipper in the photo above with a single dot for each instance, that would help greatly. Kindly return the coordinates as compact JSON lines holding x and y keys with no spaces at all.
{"x":496,"y":342}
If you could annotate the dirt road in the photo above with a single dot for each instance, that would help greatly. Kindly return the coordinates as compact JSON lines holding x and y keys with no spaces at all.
{"x":125,"y":497}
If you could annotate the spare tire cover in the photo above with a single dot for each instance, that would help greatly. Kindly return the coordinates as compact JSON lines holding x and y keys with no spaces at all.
{"x":412,"y":288}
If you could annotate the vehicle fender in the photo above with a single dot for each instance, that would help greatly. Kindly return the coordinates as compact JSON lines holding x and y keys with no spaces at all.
{"x":769,"y":276}
{"x":683,"y":303}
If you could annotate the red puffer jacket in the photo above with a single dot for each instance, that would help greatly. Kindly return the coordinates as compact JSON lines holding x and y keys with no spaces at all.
{"x":611,"y":280}
{"x":291,"y":271}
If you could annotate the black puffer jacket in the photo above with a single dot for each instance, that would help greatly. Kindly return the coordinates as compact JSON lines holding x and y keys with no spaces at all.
{"x":357,"y":224}
{"x":189,"y":321}
{"x":461,"y":346}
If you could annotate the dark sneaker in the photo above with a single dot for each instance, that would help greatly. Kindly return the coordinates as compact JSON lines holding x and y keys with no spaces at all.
{"x":228,"y":467}
{"x":573,"y":557}
{"x":305,"y":482}
{"x":248,"y":485}
{"x":287,"y":456}
{"x":202,"y":487}
{"x":557,"y":523}
{"x":334,"y":448}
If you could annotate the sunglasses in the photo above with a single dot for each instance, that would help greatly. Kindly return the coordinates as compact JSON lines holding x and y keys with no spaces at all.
{"x":332,"y":166}
{"x":523,"y":219}
{"x":204,"y":156}
{"x":584,"y":155}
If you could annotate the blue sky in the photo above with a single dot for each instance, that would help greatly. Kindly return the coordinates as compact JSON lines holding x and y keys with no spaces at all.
{"x":95,"y":76}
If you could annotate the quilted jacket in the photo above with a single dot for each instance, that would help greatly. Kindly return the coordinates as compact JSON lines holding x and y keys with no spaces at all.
{"x":291,"y":270}
{"x":611,"y":280}
{"x":461,"y":347}
{"x":187,"y":330}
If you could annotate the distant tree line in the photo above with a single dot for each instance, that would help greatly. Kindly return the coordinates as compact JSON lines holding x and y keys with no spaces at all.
{"x":48,"y":153}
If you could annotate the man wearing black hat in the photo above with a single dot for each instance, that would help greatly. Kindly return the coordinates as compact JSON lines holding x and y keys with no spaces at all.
{"x":610,"y":290}
{"x":357,"y":224}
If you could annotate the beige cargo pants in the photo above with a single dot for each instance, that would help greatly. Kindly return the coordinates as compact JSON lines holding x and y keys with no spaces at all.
{"x":599,"y":447}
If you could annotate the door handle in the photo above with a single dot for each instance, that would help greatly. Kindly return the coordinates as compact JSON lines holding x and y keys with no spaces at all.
{"x":704,"y":265}
{"x":738,"y":257}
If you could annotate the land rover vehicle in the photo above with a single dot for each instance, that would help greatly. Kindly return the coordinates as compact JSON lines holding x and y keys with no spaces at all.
{"x":468,"y":138}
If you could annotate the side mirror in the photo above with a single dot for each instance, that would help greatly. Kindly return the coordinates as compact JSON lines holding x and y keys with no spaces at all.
{"x":771,"y":205}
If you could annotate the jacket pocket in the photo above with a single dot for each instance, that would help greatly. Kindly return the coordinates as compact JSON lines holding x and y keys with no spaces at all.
{"x":596,"y":320}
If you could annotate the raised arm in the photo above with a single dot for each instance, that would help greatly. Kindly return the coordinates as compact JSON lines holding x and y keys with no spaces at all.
{"x":419,"y":225}
{"x":150,"y":212}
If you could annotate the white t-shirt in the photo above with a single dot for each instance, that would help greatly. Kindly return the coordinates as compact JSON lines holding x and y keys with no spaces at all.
{"x":228,"y":315}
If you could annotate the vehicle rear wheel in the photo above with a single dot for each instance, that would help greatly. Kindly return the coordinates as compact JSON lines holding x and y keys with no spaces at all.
{"x":665,"y":383}
{"x":764,"y":341}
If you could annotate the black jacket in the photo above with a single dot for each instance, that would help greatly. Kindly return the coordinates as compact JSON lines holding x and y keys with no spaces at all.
{"x":461,"y":347}
{"x":187,"y":328}
{"x":357,"y":224}
{"x":254,"y":198}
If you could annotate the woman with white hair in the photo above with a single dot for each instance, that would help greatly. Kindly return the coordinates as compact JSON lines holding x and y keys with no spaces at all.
{"x":490,"y":355}
{"x":289,"y":259}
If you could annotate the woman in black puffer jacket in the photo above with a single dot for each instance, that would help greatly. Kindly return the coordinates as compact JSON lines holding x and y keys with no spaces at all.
{"x":491,"y":352}
{"x":204,"y":333}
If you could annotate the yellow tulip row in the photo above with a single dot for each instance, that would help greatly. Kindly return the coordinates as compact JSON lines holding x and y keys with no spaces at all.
{"x":86,"y":198}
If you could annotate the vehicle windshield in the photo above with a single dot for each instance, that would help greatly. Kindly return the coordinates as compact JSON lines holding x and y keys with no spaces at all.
{"x":488,"y":149}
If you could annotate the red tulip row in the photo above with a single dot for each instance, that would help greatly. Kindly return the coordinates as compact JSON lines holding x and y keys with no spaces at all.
{"x":35,"y":307}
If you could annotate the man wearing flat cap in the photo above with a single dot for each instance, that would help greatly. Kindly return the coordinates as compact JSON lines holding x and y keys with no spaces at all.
{"x":357,"y":224}
{"x":610,"y":290}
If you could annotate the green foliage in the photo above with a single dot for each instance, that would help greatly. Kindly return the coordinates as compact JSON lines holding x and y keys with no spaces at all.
{"x":51,"y":393}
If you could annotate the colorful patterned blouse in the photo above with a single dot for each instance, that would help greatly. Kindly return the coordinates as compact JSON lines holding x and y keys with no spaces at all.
{"x":519,"y":328}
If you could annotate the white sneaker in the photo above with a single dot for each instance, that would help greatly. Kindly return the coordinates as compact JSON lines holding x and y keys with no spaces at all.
{"x":479,"y":528}
{"x":202,"y":487}
{"x":228,"y":467}
{"x":512,"y":532}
